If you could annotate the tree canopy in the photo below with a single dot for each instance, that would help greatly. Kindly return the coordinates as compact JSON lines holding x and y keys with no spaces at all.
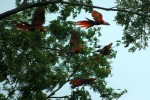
{"x":35,"y":63}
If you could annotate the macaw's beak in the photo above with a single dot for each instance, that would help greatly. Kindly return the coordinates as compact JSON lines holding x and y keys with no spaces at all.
{"x":106,"y":23}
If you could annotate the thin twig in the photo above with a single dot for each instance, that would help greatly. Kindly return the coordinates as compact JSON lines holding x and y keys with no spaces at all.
{"x":26,"y":6}
{"x":61,"y":97}
{"x":123,"y":92}
{"x":49,"y":96}
{"x":103,"y":8}
{"x":114,"y":7}
{"x":11,"y":93}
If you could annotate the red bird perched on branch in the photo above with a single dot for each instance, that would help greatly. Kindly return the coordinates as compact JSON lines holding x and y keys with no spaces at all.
{"x":98,"y":20}
{"x":105,"y":50}
{"x":79,"y":82}
{"x":37,"y":21}
{"x":74,"y":43}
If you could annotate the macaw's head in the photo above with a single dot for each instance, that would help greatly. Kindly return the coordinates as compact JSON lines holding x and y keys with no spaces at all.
{"x":109,"y":46}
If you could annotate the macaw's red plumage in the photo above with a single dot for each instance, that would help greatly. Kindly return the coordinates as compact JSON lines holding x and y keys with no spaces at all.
{"x":74,"y":39}
{"x":80,"y":81}
{"x":105,"y":50}
{"x":98,"y":20}
{"x":37,"y":21}
{"x":77,"y":49}
{"x":74,"y":43}
{"x":38,"y":18}
{"x":23,"y":26}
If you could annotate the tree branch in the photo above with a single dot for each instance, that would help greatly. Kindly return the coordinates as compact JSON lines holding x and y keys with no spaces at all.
{"x":61,"y":97}
{"x":102,"y":8}
{"x":123,"y":92}
{"x":11,"y":92}
{"x":26,"y":6}
{"x":60,"y":86}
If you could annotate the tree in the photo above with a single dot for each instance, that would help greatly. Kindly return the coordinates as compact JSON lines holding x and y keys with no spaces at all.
{"x":136,"y":28}
{"x":35,"y":64}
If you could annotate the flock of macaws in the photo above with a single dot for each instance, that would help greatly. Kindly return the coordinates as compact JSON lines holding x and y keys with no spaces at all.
{"x":38,"y":20}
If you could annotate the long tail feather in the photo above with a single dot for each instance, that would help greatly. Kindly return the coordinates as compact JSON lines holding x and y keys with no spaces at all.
{"x":85,"y":23}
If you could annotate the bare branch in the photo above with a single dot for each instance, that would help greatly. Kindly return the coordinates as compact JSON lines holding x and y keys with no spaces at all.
{"x":102,"y":8}
{"x":61,"y":97}
{"x":123,"y":92}
{"x":26,"y":6}
{"x":11,"y":92}
{"x":60,"y":86}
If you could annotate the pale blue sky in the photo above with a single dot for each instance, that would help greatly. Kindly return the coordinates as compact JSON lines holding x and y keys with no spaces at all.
{"x":130,"y":71}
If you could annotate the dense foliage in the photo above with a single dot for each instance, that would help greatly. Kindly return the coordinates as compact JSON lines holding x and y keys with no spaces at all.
{"x":136,"y":27}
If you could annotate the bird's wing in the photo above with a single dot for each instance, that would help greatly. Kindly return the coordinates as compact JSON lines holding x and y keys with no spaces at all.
{"x":38,"y":17}
{"x":98,"y":17}
{"x":74,"y":39}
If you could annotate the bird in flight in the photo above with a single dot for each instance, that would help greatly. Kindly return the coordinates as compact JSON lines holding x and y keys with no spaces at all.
{"x":74,"y":43}
{"x":106,"y":50}
{"x":98,"y":20}
{"x":37,"y":21}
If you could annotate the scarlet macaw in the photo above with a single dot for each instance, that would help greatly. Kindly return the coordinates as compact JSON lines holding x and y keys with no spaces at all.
{"x":98,"y":20}
{"x":80,"y":81}
{"x":37,"y":21}
{"x":74,"y":43}
{"x":105,"y":50}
